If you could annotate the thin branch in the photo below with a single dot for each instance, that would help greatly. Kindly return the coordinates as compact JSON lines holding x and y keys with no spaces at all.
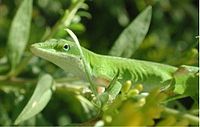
{"x":194,"y":120}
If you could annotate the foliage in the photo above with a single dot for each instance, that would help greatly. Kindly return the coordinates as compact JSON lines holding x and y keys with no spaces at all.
{"x":133,"y":35}
{"x":57,"y":98}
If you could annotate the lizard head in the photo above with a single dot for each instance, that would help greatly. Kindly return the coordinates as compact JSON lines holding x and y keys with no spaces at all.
{"x":63,"y":53}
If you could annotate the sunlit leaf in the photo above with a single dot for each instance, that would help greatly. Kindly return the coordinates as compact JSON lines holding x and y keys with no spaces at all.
{"x":19,"y":33}
{"x":39,"y":99}
{"x":186,"y":78}
{"x":85,"y":63}
{"x":114,"y":86}
{"x":131,"y":38}
{"x":137,"y":113}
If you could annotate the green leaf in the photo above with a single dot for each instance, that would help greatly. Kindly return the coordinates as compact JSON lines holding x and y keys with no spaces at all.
{"x":19,"y":33}
{"x":114,"y":87}
{"x":131,"y":38}
{"x":38,"y":100}
{"x":85,"y":63}
{"x":186,"y":78}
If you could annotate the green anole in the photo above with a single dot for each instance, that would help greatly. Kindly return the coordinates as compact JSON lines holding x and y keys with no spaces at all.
{"x":66,"y":55}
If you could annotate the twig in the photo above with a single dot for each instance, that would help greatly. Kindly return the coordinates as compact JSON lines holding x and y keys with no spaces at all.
{"x":192,"y":119}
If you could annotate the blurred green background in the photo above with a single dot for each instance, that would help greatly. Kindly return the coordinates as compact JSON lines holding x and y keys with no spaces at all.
{"x":171,"y":40}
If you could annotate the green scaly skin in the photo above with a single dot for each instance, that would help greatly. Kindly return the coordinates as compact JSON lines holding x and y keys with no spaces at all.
{"x":149,"y":74}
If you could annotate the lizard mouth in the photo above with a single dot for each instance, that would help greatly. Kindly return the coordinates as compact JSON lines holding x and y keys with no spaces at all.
{"x":38,"y":49}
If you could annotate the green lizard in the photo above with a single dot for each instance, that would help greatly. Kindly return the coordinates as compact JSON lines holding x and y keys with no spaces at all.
{"x":66,"y":55}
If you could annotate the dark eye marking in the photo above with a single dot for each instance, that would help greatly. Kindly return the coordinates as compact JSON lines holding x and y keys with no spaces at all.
{"x":66,"y":47}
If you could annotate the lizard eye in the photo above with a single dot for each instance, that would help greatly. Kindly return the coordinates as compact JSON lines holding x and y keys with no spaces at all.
{"x":66,"y":47}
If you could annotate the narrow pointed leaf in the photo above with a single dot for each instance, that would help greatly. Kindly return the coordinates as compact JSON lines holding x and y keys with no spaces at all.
{"x":131,"y":38}
{"x":85,"y":63}
{"x":38,"y":100}
{"x":86,"y":66}
{"x":114,"y":87}
{"x":19,"y":33}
